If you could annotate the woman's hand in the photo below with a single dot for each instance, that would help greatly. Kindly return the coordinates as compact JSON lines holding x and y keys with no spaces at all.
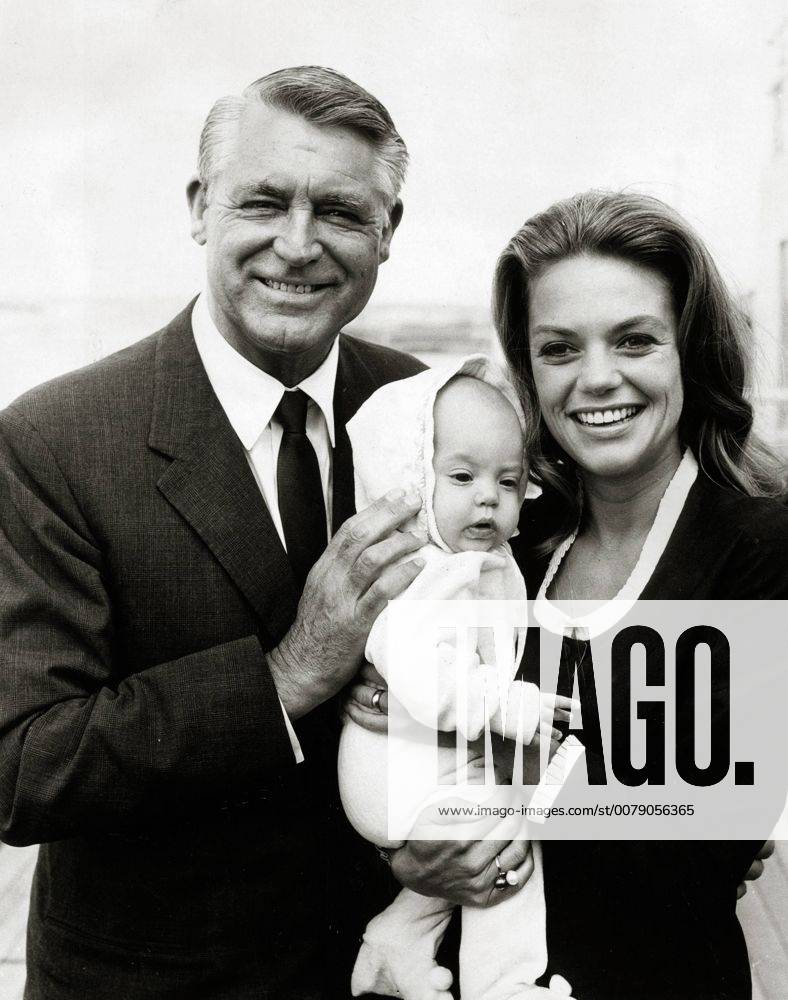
{"x":368,"y":700}
{"x":462,"y":871}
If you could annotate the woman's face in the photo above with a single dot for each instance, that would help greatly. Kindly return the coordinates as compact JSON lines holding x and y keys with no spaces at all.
{"x":605,"y":361}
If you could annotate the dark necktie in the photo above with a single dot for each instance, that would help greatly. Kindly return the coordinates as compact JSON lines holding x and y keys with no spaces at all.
{"x":299,"y":489}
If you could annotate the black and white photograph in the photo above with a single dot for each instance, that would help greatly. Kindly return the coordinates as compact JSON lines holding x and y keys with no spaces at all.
{"x":394,"y":500}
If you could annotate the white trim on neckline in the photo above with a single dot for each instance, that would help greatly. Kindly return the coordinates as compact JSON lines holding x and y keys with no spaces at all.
{"x":554,"y":618}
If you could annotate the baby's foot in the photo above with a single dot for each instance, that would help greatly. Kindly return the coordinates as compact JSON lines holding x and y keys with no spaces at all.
{"x":399,"y":972}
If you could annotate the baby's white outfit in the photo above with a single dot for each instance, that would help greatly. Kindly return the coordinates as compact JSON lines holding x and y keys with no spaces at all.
{"x":503,"y":947}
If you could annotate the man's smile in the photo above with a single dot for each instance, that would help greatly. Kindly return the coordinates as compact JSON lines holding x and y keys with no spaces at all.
{"x":294,"y":288}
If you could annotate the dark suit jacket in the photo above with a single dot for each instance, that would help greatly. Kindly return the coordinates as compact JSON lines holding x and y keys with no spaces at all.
{"x":657,"y":920}
{"x":184,"y":853}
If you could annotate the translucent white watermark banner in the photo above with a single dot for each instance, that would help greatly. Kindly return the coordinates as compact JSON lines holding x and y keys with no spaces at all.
{"x":677,"y":723}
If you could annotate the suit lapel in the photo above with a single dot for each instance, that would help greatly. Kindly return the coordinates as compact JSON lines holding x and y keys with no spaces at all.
{"x":355,"y":382}
{"x":209,"y":481}
{"x":210,"y":484}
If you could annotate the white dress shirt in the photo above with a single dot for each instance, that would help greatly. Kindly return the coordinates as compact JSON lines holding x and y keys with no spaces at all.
{"x":249,"y":397}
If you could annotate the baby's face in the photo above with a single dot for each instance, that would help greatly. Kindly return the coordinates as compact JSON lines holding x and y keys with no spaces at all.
{"x":478,"y":463}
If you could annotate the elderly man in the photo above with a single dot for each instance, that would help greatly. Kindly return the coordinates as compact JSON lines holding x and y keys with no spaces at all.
{"x":167,"y":702}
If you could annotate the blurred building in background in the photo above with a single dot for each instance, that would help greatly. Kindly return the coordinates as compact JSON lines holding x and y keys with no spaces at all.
{"x":429,"y":332}
{"x":769,"y":299}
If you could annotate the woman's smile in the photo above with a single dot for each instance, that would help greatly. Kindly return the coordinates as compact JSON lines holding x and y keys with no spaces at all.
{"x":612,"y":416}
{"x":605,"y":361}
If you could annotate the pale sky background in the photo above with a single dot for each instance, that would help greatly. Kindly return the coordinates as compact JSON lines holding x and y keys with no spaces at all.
{"x":505,"y":107}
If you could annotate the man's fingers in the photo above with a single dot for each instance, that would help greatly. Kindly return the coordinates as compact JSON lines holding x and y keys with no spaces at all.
{"x":390,"y":584}
{"x":766,"y":851}
{"x":372,"y":721}
{"x":375,"y":522}
{"x":371,"y":699}
{"x":374,"y":559}
{"x":369,"y":674}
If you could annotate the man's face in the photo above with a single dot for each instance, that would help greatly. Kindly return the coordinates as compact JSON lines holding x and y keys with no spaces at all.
{"x":295,"y":227}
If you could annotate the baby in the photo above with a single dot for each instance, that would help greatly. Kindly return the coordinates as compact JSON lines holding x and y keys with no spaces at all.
{"x":457,"y":435}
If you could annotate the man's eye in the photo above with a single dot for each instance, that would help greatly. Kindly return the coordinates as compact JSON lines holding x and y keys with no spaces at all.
{"x":461,"y":477}
{"x":339,"y":214}
{"x":262,"y":207}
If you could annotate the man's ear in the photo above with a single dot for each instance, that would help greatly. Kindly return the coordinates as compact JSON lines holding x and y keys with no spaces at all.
{"x":196,"y":196}
{"x":395,"y":215}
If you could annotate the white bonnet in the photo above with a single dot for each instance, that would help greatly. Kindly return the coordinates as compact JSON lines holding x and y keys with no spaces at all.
{"x":392,"y":433}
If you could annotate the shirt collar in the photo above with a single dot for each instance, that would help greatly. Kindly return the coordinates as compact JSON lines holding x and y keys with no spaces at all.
{"x":247,"y":394}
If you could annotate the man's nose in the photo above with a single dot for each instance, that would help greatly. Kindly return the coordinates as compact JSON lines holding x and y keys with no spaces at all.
{"x":296,"y":243}
{"x":599,"y":372}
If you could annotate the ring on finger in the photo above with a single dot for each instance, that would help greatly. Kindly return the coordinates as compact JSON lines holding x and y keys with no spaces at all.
{"x":505,"y":877}
{"x":379,"y":692}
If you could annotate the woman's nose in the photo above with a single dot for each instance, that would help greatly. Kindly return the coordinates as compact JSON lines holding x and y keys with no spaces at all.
{"x":599,"y":372}
{"x":296,"y":243}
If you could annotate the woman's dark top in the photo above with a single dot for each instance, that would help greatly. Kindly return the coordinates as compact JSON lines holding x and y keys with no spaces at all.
{"x":656,"y":920}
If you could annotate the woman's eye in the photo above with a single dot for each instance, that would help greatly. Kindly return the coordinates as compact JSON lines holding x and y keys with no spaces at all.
{"x":557,"y":349}
{"x":637,"y":342}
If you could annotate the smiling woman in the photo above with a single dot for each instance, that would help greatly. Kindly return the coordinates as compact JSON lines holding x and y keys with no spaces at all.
{"x":604,"y":355}
{"x":610,"y":301}
{"x":631,"y":359}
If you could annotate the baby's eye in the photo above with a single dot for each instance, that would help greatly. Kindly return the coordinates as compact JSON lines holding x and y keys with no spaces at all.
{"x":461,"y":477}
{"x":510,"y":483}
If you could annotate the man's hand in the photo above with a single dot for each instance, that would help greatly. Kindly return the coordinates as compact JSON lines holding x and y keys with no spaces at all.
{"x":359,"y":704}
{"x":346,"y":590}
{"x":463,"y":872}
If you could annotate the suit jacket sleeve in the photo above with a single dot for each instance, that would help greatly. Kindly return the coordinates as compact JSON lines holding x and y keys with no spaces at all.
{"x":81,"y":749}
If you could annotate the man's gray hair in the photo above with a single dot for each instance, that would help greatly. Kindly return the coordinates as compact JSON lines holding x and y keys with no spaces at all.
{"x":319,"y":95}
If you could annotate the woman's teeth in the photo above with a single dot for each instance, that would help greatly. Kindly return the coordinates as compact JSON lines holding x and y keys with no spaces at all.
{"x":280,"y":286}
{"x":606,"y":416}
